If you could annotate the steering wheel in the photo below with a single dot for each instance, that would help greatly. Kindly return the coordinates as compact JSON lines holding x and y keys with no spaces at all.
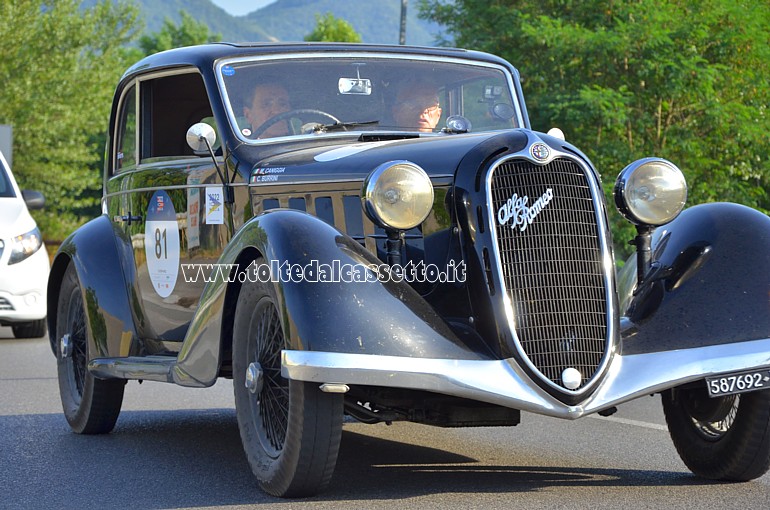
{"x":299,"y":113}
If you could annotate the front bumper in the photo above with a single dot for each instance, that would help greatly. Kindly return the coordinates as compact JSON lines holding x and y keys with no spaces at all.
{"x":21,"y":308}
{"x":23,"y":288}
{"x":504,"y":383}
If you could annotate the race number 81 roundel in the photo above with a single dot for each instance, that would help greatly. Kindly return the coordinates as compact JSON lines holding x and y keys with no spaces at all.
{"x":161,"y":243}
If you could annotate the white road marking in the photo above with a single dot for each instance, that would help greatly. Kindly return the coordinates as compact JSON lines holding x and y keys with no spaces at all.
{"x":625,"y":421}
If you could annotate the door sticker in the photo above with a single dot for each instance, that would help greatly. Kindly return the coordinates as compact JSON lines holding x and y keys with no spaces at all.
{"x":161,"y":243}
{"x":214,"y":205}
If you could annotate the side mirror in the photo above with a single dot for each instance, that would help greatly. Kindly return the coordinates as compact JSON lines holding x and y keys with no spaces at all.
{"x":33,"y":199}
{"x":198,"y":135}
{"x":503,"y":111}
{"x":201,"y":138}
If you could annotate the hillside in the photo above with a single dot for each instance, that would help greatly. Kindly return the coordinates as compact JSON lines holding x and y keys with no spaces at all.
{"x":377,"y":22}
{"x":231,"y":28}
{"x":291,"y":20}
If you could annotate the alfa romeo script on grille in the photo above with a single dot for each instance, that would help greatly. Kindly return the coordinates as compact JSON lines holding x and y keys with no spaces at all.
{"x":516,"y":211}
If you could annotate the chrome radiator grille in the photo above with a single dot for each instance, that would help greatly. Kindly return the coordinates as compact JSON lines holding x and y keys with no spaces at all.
{"x":550,"y":258}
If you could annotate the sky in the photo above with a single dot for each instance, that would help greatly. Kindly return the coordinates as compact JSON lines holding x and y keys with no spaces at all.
{"x":241,"y":7}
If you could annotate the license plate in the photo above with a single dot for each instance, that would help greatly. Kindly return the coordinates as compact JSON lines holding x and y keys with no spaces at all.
{"x":740,"y":382}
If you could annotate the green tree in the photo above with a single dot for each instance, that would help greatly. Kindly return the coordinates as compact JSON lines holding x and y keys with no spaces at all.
{"x":59,"y":68}
{"x":687,"y":81}
{"x":331,"y":29}
{"x":188,"y":33}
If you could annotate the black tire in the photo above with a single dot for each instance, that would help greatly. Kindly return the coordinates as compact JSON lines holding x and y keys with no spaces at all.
{"x":90,"y":405}
{"x":32,"y":329}
{"x":726,"y":438}
{"x":290,"y":430}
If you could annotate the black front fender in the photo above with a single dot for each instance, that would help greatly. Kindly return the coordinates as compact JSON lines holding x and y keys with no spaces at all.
{"x":710,"y":282}
{"x":346,"y":316}
{"x":94,"y":249}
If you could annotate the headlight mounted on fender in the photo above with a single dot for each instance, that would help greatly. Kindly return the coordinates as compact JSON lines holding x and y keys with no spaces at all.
{"x":650,"y":192}
{"x":397,"y":195}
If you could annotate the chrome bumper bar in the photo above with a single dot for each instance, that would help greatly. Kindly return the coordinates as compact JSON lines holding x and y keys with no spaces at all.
{"x":504,"y":383}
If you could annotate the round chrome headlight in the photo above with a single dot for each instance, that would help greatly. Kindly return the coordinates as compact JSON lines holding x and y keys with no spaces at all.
{"x":650,"y":191}
{"x":397,"y":195}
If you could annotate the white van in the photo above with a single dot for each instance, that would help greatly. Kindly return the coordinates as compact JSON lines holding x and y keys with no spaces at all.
{"x":24,"y":262}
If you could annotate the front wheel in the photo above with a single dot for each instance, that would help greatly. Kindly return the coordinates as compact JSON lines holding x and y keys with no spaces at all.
{"x":90,"y":405}
{"x":32,"y":329}
{"x":290,"y":430}
{"x":724,"y":438}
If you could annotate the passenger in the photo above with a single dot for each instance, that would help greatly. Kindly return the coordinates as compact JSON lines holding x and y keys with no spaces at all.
{"x":417,"y":107}
{"x":265,"y":101}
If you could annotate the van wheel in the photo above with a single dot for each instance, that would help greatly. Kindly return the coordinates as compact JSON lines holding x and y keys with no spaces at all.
{"x":725,"y":438}
{"x":290,"y":430}
{"x":90,"y":405}
{"x":32,"y":329}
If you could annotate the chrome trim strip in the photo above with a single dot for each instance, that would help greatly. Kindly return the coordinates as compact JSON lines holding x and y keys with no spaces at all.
{"x":352,"y":54}
{"x":175,"y":186}
{"x":150,"y":368}
{"x":145,"y":368}
{"x":504,"y":383}
{"x":308,"y":181}
{"x":607,"y":262}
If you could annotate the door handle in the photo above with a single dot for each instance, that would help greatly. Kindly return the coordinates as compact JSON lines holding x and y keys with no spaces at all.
{"x":129,"y":219}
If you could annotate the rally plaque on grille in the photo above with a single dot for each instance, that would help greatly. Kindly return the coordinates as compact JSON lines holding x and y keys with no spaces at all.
{"x":550,"y":260}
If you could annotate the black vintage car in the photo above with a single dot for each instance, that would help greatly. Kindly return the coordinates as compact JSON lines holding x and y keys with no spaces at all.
{"x":376,"y":232}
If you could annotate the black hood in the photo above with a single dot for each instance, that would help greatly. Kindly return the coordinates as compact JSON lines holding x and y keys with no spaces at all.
{"x":352,"y":159}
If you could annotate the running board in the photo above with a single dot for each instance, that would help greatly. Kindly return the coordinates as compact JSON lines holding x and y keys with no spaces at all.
{"x":146,"y":368}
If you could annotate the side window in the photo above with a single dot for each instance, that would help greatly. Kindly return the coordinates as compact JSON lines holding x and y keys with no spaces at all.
{"x":169,"y":105}
{"x":125,"y":155}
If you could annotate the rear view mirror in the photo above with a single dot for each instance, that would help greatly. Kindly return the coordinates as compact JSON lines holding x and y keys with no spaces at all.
{"x":359,"y":86}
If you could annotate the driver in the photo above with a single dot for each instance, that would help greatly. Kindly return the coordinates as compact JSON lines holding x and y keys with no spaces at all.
{"x":265,"y":102}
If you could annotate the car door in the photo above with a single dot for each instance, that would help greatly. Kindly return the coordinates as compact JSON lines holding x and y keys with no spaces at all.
{"x":167,"y":202}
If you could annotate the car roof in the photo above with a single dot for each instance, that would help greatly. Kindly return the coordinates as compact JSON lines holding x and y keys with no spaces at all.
{"x":202,"y":56}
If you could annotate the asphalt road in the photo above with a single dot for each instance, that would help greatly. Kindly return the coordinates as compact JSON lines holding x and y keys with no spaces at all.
{"x":179,"y":448}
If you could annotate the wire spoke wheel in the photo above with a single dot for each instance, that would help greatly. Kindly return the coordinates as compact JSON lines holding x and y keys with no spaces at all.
{"x":90,"y":405}
{"x":724,"y":438}
{"x":717,"y":425}
{"x":78,"y":358}
{"x":270,"y":407}
{"x":290,"y":430}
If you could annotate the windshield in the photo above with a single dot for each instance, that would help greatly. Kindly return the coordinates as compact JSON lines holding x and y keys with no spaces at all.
{"x":6,"y":190}
{"x":310,"y":96}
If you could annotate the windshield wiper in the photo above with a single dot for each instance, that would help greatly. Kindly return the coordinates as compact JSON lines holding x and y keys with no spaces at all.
{"x":342,"y":126}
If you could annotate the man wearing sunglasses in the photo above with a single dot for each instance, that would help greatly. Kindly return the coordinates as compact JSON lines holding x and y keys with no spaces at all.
{"x":417,"y":107}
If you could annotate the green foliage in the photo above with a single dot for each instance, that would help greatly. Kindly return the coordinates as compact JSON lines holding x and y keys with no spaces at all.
{"x":331,"y":29}
{"x":58,"y":71}
{"x":188,"y":33}
{"x":687,"y":81}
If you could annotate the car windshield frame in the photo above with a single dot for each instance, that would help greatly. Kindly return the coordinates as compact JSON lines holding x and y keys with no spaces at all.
{"x":357,"y":78}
